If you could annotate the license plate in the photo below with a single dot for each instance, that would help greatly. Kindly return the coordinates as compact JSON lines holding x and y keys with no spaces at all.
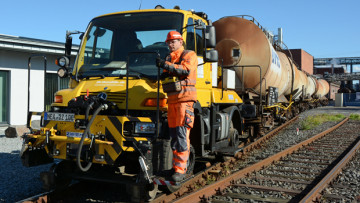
{"x":73,"y":134}
{"x":50,"y":116}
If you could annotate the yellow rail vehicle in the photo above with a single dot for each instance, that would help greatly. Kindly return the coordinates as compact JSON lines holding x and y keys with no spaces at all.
{"x":111,"y":124}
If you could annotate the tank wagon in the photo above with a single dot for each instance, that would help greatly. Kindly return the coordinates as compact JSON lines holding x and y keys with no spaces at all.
{"x":111,"y":123}
{"x":263,"y":69}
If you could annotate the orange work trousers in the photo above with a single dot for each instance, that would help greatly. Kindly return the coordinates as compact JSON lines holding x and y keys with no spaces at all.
{"x":181,"y":120}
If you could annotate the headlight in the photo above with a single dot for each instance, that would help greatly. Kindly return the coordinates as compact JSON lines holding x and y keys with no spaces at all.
{"x":62,"y":72}
{"x":63,"y":61}
{"x":148,"y":128}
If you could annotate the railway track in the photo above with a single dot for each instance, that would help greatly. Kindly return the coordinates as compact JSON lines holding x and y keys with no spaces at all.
{"x":218,"y":170}
{"x":198,"y":180}
{"x":298,"y":173}
{"x":228,"y":177}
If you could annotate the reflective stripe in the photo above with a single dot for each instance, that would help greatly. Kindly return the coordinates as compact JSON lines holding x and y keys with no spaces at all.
{"x":190,"y":113}
{"x":184,"y":90}
{"x":182,"y":157}
{"x":188,"y":82}
{"x":181,"y":165}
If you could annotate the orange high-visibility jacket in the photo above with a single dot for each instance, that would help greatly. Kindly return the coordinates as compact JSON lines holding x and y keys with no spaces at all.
{"x":189,"y":63}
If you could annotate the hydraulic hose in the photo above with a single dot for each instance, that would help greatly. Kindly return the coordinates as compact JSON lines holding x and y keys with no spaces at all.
{"x":88,"y":110}
{"x":87,"y":132}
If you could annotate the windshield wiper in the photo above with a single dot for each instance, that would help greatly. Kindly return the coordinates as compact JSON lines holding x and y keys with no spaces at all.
{"x":95,"y":76}
{"x":110,"y":68}
{"x":138,"y":75}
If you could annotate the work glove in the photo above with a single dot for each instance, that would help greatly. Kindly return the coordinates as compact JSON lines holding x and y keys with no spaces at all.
{"x":164,"y":75}
{"x":161,"y":64}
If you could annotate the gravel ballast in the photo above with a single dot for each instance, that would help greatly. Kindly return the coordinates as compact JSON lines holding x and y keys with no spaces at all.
{"x":19,"y":182}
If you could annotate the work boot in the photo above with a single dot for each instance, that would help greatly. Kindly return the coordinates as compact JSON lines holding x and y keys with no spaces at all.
{"x":178,"y":177}
{"x":166,"y":173}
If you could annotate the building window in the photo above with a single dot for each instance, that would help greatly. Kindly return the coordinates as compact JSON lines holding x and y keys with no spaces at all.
{"x":53,"y":84}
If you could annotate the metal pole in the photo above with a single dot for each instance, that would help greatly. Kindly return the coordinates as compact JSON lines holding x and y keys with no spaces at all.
{"x":45,"y":69}
{"x":28,"y":99}
{"x":29,"y":69}
{"x":127,"y":86}
{"x":157,"y":102}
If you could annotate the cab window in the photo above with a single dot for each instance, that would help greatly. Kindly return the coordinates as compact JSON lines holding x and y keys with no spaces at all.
{"x":190,"y":37}
{"x":199,"y":42}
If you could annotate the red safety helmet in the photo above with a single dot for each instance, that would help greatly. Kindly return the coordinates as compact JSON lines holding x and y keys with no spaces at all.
{"x":173,"y":35}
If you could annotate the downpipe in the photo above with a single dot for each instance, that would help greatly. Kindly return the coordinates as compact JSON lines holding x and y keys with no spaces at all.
{"x":87,"y":132}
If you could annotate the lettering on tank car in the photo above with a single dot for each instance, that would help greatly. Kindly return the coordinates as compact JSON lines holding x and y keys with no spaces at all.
{"x":275,"y":58}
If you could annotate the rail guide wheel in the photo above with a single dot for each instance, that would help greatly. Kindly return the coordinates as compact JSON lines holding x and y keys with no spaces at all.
{"x":57,"y":177}
{"x":140,"y":193}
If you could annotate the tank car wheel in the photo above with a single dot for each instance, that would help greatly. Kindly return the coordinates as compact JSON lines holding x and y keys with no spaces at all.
{"x":302,"y":107}
{"x":190,"y":168}
{"x":289,"y":115}
{"x":295,"y":111}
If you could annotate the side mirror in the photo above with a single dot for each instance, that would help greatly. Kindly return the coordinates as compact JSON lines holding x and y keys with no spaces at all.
{"x":68,"y":45}
{"x":81,"y":36}
{"x":210,"y":37}
{"x":211,"y":56}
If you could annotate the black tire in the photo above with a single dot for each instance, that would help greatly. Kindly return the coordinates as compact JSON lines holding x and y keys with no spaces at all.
{"x":233,"y":135}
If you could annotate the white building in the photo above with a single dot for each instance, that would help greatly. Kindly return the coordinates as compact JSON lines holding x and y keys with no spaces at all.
{"x":14,"y":57}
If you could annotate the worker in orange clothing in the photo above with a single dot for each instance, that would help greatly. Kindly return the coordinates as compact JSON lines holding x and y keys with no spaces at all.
{"x":182,"y":64}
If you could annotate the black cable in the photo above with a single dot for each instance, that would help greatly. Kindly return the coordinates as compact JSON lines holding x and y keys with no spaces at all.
{"x":87,"y":131}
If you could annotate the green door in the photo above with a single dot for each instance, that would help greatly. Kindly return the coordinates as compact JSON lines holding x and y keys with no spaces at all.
{"x":4,"y":97}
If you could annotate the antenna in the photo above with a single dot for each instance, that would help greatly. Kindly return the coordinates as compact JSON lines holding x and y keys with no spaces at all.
{"x":140,"y":4}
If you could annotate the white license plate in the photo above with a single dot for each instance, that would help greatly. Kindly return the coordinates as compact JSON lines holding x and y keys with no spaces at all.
{"x":73,"y":134}
{"x":50,"y":116}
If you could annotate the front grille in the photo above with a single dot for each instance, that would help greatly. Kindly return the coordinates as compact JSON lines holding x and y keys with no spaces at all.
{"x":117,"y":97}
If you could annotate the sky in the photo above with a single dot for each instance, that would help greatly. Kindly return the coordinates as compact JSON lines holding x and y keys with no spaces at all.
{"x":323,"y":28}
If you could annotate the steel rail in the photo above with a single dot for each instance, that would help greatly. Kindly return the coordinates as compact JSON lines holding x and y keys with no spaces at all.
{"x":269,"y":135}
{"x":189,"y":185}
{"x":206,"y":192}
{"x":315,"y":193}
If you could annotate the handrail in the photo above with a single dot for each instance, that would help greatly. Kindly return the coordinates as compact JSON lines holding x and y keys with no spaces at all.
{"x":29,"y":68}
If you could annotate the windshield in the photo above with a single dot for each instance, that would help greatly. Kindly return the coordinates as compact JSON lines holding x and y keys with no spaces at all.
{"x":112,"y":41}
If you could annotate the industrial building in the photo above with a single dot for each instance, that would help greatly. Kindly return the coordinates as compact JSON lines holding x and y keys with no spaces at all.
{"x":14,"y":56}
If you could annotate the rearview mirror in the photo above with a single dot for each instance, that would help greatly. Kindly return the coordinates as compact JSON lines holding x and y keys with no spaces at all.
{"x":211,"y":56}
{"x":210,"y":37}
{"x":68,"y":45}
